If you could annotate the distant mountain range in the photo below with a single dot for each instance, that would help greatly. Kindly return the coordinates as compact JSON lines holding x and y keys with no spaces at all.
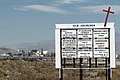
{"x":6,"y":50}
{"x":46,"y":45}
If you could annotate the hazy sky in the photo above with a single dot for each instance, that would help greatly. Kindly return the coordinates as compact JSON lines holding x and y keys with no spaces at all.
{"x":31,"y":21}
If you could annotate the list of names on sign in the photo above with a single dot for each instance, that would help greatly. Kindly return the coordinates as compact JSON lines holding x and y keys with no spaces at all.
{"x":68,"y":43}
{"x":101,"y":43}
{"x":85,"y":42}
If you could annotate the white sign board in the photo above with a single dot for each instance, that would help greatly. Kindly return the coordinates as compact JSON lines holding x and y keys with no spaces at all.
{"x":68,"y":43}
{"x":101,"y":52}
{"x":101,"y":33}
{"x":85,"y":40}
{"x":101,"y":42}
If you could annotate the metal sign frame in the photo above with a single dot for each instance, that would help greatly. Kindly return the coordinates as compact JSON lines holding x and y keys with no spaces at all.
{"x":82,"y":46}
